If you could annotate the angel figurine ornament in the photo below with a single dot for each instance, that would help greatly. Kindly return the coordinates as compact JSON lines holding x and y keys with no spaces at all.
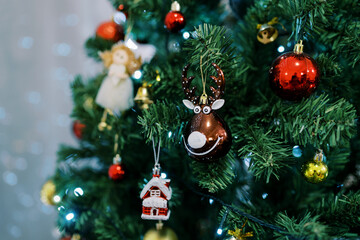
{"x":116,"y":91}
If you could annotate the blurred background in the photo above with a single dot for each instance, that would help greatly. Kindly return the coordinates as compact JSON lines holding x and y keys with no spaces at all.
{"x":41,"y":51}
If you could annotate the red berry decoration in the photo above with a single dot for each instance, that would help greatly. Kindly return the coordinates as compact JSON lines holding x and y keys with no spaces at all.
{"x":175,"y":20}
{"x":116,"y":171}
{"x":110,"y":31}
{"x":78,"y":129}
{"x":294,"y":75}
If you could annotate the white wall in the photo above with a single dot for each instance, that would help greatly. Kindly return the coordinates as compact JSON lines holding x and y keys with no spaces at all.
{"x":41,"y":49}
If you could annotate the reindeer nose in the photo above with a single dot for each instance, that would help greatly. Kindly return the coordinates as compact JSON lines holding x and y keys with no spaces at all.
{"x":196,"y":140}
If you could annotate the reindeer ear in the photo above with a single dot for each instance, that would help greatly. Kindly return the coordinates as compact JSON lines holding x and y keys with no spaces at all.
{"x":218,"y":104}
{"x":188,"y":104}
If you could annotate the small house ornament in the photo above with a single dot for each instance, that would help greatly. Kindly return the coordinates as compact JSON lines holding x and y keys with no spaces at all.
{"x":155,"y":195}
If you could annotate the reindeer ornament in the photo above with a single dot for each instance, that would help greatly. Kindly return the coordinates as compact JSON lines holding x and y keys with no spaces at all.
{"x":206,"y":137}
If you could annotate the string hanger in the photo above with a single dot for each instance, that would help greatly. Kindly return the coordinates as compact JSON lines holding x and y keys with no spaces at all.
{"x":204,"y":97}
{"x":117,"y":158}
{"x":156,"y":169}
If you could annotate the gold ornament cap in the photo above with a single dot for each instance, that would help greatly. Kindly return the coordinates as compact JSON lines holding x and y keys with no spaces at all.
{"x":298,"y":49}
{"x":175,"y":6}
{"x":203,"y":99}
{"x":159,"y":225}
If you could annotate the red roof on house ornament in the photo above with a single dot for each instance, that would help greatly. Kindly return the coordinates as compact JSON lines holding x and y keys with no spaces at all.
{"x":161,"y":183}
{"x":155,"y":195}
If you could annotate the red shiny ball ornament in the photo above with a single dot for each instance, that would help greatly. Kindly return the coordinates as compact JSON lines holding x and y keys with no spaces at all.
{"x":294,"y":76}
{"x":110,"y":31}
{"x":78,"y":129}
{"x":116,"y":172}
{"x":175,"y":21}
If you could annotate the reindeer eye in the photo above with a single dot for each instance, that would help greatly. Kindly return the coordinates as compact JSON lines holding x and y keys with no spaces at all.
{"x":197,"y":109}
{"x":206,"y":110}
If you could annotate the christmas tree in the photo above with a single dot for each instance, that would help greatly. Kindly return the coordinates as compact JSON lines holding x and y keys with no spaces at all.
{"x":266,"y":145}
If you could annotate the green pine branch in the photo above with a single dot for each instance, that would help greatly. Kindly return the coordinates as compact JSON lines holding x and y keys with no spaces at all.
{"x":163,"y":120}
{"x":66,"y":153}
{"x":337,"y":158}
{"x":332,"y":80}
{"x":215,"y":176}
{"x":105,"y":231}
{"x":214,"y":45}
{"x":315,"y":121}
{"x":308,"y":17}
{"x":342,"y":213}
{"x":306,"y":227}
{"x":95,"y":45}
{"x":268,"y":155}
{"x":168,"y":86}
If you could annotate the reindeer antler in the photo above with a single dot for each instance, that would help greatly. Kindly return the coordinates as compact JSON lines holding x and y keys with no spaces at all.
{"x":189,"y":93}
{"x":220,"y":82}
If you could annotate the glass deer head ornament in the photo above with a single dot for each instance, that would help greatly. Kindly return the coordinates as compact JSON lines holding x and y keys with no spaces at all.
{"x":206,"y":137}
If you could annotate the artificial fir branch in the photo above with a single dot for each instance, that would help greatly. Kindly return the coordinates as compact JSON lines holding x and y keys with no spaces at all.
{"x":315,"y":121}
{"x":80,"y":90}
{"x":310,"y":16}
{"x":337,"y":210}
{"x":167,"y":87}
{"x":307,"y":227}
{"x":66,"y":153}
{"x":214,"y":176}
{"x":268,"y":156}
{"x":213,"y":45}
{"x":163,"y":120}
{"x":332,"y":80}
{"x":342,"y":35}
{"x":95,"y":45}
{"x":337,"y":159}
{"x":230,"y":207}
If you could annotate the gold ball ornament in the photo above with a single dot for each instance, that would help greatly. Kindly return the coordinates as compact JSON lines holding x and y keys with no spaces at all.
{"x":267,"y":34}
{"x":47,"y":193}
{"x":315,"y":170}
{"x":163,"y":234}
{"x":76,"y":237}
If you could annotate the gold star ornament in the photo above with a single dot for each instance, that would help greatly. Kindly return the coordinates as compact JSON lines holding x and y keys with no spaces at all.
{"x":239,"y":234}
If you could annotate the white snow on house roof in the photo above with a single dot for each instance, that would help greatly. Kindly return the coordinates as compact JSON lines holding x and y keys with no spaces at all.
{"x":160,"y":183}
{"x":155,"y":202}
